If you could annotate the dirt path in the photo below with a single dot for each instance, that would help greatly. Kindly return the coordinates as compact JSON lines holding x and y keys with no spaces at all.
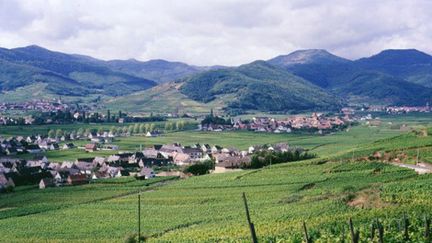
{"x":417,"y":168}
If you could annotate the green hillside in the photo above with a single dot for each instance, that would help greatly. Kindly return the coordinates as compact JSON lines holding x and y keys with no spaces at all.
{"x":375,"y":87}
{"x":323,"y":192}
{"x":160,"y":71}
{"x":395,"y":77}
{"x":258,"y":86}
{"x":165,"y":98}
{"x":64,"y":74}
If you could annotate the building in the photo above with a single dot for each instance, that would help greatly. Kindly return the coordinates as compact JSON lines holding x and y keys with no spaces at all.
{"x":77,"y":179}
{"x":46,"y":182}
{"x":91,"y":147}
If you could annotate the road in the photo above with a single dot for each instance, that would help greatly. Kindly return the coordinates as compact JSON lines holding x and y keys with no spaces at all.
{"x":419,"y":169}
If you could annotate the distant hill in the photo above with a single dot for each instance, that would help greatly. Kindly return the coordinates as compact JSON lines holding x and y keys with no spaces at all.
{"x":258,"y":86}
{"x":66,"y":74}
{"x":300,"y":81}
{"x":165,"y":98}
{"x":391,"y":77}
{"x":373,"y":87}
{"x":318,"y":66}
{"x":410,"y":64}
{"x":158,"y":70}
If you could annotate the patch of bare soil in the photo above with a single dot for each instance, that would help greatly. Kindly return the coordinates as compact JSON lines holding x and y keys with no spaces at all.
{"x":369,"y":198}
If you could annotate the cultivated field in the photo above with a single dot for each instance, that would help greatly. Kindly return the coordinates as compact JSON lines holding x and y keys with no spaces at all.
{"x":343,"y":182}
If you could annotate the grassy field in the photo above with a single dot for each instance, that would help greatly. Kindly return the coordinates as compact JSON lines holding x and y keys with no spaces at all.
{"x":321,"y":145}
{"x":164,"y":98}
{"x":324,"y":192}
{"x":44,"y":129}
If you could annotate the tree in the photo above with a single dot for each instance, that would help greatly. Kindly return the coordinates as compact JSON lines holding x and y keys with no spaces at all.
{"x":80,"y":131}
{"x":87,"y":132}
{"x":200,"y":168}
{"x":51,"y":133}
{"x":73,"y":134}
{"x":113,"y":130}
{"x":100,"y":130}
{"x":125,"y":129}
{"x":180,"y":125}
{"x":136,"y":128}
{"x":152,"y":127}
{"x":168,"y":126}
{"x":120,"y":115}
{"x":108,"y":115}
{"x":131,"y":129}
{"x":147,"y":127}
{"x":59,"y":133}
{"x":142,"y":128}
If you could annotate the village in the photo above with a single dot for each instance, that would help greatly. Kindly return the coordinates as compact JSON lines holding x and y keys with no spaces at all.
{"x":317,"y":122}
{"x":169,"y":159}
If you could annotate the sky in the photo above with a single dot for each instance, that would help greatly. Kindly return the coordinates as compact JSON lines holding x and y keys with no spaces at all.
{"x":215,"y":32}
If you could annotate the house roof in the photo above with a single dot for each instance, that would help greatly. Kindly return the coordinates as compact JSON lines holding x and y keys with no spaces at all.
{"x":3,"y":180}
{"x":77,"y":177}
{"x":90,"y":146}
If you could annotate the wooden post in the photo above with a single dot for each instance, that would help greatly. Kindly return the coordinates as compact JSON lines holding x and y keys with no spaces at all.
{"x":380,"y":232}
{"x":427,"y":229}
{"x":139,"y":218}
{"x":406,"y":227}
{"x":251,"y":225}
{"x":372,"y":234}
{"x":306,"y":235}
{"x":354,"y":234}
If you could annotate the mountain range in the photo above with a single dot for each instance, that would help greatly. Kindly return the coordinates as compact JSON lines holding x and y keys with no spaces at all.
{"x":302,"y":80}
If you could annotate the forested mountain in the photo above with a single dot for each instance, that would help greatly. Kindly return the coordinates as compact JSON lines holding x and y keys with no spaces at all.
{"x":400,"y":77}
{"x":412,"y":65}
{"x":259,"y":86}
{"x":66,"y":74}
{"x":303,"y":80}
{"x":158,"y":70}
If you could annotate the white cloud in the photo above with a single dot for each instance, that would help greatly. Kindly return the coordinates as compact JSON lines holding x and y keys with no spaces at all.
{"x":227,"y":32}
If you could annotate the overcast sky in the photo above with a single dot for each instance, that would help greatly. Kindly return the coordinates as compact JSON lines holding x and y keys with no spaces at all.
{"x":204,"y":32}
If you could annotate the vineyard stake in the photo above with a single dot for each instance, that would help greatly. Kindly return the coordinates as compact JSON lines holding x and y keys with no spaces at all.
{"x":306,"y":235}
{"x":406,"y":227}
{"x":372,"y":236}
{"x":354,"y":234}
{"x":251,"y":225}
{"x":427,"y":229}
{"x":139,"y":218}
{"x":380,"y":231}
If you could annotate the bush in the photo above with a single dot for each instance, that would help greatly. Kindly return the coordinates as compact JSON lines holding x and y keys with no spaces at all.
{"x":200,"y":168}
{"x":264,"y":158}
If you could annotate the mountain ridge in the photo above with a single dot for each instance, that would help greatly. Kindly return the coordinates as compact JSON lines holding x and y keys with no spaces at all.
{"x":301,"y":80}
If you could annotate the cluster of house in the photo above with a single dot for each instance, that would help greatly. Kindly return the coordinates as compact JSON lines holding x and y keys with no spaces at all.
{"x":316,"y":121}
{"x":407,"y":109}
{"x":40,"y":170}
{"x":48,"y":174}
{"x":36,"y":105}
{"x":30,"y":144}
{"x":35,"y":144}
{"x":398,"y":109}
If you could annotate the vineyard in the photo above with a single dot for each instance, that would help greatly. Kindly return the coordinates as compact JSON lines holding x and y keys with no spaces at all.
{"x":210,"y":208}
{"x":324,"y":193}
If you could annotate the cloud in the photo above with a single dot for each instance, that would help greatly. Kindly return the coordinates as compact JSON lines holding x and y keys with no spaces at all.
{"x":227,"y":32}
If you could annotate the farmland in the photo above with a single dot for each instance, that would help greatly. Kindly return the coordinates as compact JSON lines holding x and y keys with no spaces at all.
{"x":328,"y":144}
{"x":324,"y":192}
{"x":209,"y":208}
